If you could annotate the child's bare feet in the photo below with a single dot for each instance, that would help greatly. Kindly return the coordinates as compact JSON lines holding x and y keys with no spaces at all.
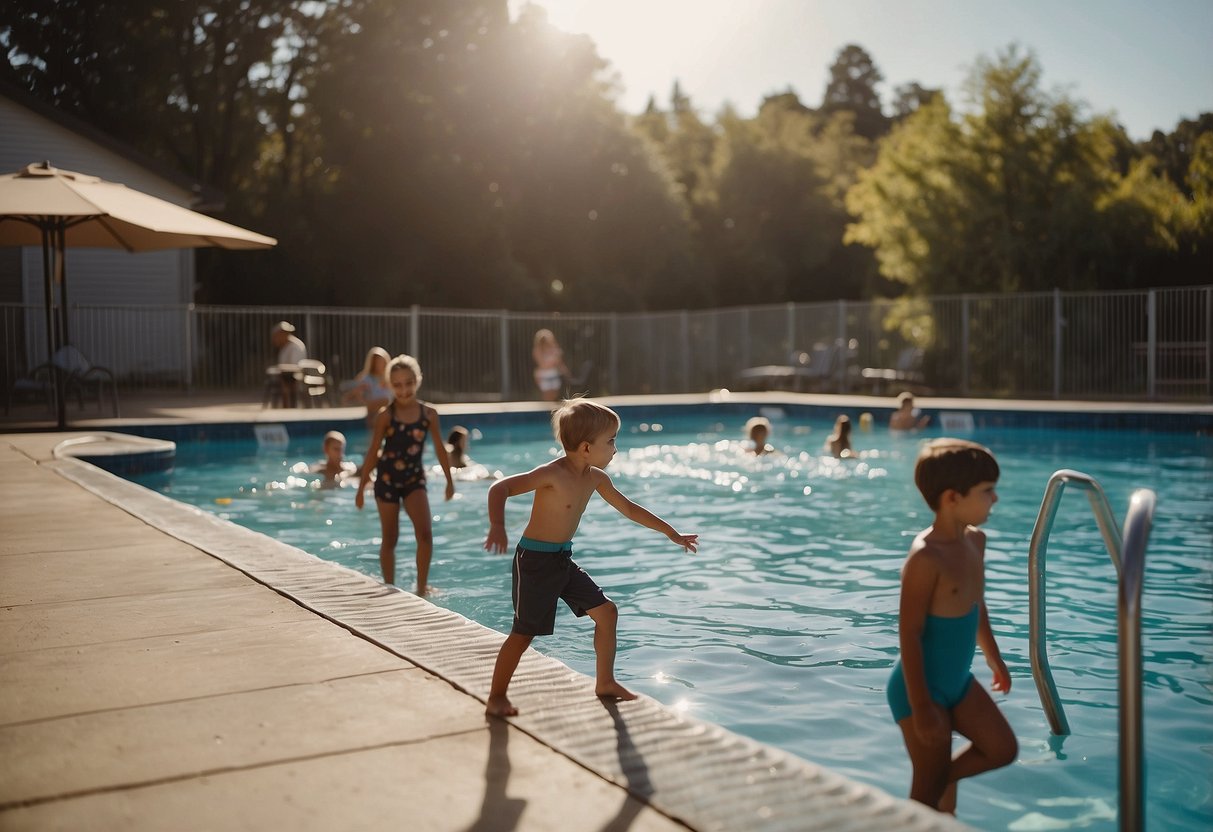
{"x":947,"y":803}
{"x":499,"y":706}
{"x":613,"y":690}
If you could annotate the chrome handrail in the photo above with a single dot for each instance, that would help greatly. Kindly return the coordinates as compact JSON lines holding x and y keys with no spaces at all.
{"x":1138,"y":521}
{"x":1128,"y":556}
{"x":1037,"y":651}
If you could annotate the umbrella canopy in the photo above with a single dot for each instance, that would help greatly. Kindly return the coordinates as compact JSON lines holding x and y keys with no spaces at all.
{"x":99,"y":214}
{"x":42,"y":205}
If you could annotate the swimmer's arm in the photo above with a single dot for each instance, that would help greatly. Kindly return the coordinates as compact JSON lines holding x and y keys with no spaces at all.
{"x":356,"y":393}
{"x":989,"y":649}
{"x":641,"y":515}
{"x":372,"y":455}
{"x":440,"y":450}
{"x":502,"y":490}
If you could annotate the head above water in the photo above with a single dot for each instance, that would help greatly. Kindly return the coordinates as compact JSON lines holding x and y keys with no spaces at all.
{"x":582,"y":420}
{"x":334,"y":445}
{"x":758,"y":428}
{"x":952,"y":465}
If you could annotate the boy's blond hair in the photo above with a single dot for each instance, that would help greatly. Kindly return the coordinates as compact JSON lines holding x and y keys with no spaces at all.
{"x":952,"y":464}
{"x":407,"y":362}
{"x":582,"y":420}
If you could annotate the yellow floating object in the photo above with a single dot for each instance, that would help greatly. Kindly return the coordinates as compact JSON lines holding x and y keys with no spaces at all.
{"x":223,"y":501}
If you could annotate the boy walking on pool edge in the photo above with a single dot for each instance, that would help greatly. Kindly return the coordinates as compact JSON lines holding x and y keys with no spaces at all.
{"x":942,"y":620}
{"x":543,"y":569}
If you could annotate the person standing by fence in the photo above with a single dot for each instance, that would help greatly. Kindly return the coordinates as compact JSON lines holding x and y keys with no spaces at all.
{"x":550,"y":370}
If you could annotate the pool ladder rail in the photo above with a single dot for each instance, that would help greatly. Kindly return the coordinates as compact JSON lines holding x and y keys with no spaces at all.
{"x":1128,"y":553}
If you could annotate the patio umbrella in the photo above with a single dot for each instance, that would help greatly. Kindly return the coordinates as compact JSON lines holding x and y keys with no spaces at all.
{"x":42,"y":205}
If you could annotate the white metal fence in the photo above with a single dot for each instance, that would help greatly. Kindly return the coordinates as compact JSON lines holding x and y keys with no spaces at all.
{"x":1155,"y":344}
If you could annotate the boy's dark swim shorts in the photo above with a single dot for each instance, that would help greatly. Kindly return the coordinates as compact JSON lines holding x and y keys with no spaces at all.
{"x":544,"y":572}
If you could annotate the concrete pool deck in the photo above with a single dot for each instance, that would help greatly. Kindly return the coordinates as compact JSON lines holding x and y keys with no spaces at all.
{"x":160,"y":668}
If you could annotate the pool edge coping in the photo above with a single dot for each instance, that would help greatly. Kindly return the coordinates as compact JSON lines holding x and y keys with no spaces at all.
{"x":711,"y":775}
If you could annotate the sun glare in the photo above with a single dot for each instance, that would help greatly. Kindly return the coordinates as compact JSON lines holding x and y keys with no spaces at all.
{"x":659,"y":40}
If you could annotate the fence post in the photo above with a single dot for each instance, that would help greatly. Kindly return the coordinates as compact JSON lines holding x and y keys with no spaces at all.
{"x":844,"y":348}
{"x":745,"y":338}
{"x":1209,"y":342}
{"x":684,"y":334}
{"x":613,"y":360}
{"x":188,"y":330}
{"x":964,"y":344}
{"x":415,"y":331}
{"x":1057,"y":324}
{"x":1151,"y":342}
{"x":505,"y":355}
{"x":311,"y":336}
{"x":791,"y":324}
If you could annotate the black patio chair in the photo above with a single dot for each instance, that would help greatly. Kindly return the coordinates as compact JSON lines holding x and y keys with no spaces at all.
{"x":80,"y":377}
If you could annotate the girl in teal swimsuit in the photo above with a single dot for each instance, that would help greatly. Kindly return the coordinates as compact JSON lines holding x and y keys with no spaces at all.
{"x":397,"y":439}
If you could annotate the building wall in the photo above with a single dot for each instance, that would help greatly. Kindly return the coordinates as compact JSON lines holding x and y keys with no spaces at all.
{"x":94,"y":276}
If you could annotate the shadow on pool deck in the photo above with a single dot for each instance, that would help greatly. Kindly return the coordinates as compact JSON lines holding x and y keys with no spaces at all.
{"x":165,"y":669}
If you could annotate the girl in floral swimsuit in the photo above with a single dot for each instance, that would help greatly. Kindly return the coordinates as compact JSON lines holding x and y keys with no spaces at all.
{"x":397,"y":438}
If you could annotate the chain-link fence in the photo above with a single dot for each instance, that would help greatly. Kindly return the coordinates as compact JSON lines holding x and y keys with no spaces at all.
{"x":1147,"y":345}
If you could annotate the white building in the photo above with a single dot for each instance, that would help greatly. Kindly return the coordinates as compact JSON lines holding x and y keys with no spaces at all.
{"x":108,"y":281}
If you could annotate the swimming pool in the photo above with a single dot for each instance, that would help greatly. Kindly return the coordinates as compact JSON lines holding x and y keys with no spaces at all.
{"x":783,"y":627}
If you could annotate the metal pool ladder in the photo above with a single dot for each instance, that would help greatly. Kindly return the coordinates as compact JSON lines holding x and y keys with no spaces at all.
{"x":1128,"y":553}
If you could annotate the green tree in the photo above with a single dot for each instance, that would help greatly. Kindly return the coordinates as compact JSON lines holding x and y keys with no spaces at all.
{"x":909,"y":97}
{"x":490,"y":166}
{"x":1175,"y":150}
{"x":1019,"y":194}
{"x":773,"y":217}
{"x":852,"y":88}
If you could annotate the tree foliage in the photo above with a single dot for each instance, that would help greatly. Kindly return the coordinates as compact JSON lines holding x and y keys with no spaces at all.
{"x":1018,"y":194}
{"x":438,"y":152}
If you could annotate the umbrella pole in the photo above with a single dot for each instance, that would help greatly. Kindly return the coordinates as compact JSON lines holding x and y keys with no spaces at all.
{"x":61,"y":374}
{"x":61,"y":279}
{"x":49,"y":302}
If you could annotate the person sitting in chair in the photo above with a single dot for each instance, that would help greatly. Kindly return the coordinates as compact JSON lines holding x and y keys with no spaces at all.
{"x":291,"y":351}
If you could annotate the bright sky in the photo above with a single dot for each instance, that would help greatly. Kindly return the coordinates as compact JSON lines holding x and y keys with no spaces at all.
{"x":1151,"y":63}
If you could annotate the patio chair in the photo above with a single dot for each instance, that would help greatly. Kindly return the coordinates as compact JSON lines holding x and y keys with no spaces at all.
{"x":804,"y":370}
{"x":906,"y":371}
{"x":313,"y":382}
{"x":80,"y":378}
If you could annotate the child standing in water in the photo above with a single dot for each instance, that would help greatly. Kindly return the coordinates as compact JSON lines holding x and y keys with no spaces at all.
{"x":334,"y":467}
{"x":397,"y":439}
{"x":838,"y":443}
{"x":757,"y":429}
{"x":544,"y":570}
{"x":942,"y":620}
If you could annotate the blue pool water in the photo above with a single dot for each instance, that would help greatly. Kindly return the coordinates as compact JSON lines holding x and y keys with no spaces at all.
{"x":784,"y":626}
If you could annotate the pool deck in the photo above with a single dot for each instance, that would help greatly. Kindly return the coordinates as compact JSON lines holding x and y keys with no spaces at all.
{"x":160,"y":668}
